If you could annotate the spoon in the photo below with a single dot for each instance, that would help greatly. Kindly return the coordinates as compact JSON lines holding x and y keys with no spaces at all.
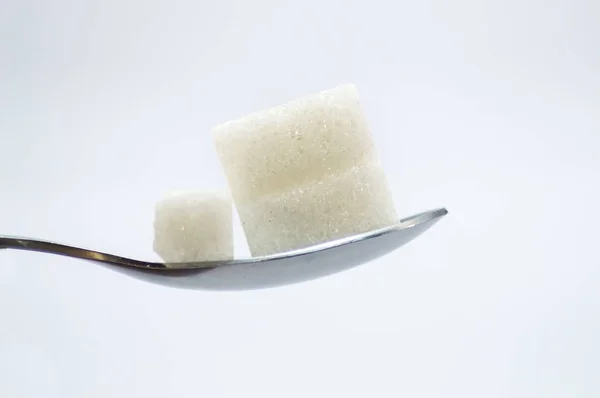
{"x":253,"y":273}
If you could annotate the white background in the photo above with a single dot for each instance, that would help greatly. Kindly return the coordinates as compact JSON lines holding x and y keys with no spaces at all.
{"x":490,"y":108}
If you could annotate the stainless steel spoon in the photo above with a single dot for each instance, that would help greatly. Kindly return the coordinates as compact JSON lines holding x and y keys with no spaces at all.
{"x":253,"y":273}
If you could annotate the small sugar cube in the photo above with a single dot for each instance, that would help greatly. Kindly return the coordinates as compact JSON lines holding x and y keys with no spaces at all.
{"x":194,"y":226}
{"x":305,"y":172}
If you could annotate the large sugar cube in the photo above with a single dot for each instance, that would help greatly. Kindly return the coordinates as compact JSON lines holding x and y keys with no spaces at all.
{"x":351,"y":202}
{"x":305,"y":172}
{"x":194,"y":226}
{"x":303,"y":140}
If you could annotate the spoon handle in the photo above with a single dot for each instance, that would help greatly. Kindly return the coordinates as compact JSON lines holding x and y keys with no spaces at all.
{"x":35,"y":245}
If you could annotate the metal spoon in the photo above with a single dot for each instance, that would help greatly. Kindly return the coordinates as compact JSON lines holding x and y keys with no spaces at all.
{"x":253,"y":273}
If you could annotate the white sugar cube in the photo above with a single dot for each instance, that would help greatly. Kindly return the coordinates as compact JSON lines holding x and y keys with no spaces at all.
{"x":305,"y":172}
{"x":194,"y":226}
{"x":300,"y":141}
{"x":351,"y":202}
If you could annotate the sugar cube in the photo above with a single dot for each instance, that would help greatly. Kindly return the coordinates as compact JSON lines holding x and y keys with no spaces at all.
{"x":194,"y":226}
{"x":305,"y":172}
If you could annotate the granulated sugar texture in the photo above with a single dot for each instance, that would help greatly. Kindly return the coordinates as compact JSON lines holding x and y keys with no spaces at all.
{"x":302,"y":140}
{"x":305,"y":172}
{"x":342,"y":204}
{"x":194,"y":226}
